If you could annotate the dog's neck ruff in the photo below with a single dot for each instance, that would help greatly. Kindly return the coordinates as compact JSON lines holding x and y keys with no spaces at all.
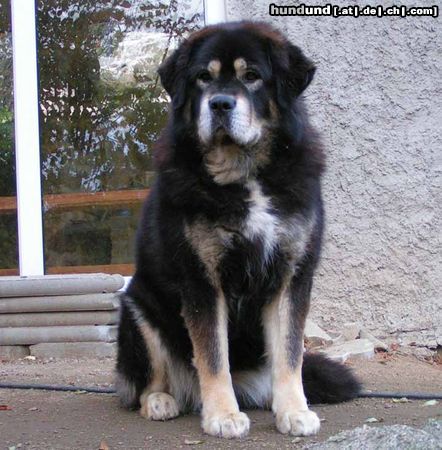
{"x":228,"y":164}
{"x":235,"y":164}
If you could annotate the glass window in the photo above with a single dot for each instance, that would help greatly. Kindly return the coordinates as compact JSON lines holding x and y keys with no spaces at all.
{"x":8,"y":204}
{"x":101,"y":109}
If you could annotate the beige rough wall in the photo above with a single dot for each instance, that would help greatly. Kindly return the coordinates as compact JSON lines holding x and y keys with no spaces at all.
{"x":377,"y":100}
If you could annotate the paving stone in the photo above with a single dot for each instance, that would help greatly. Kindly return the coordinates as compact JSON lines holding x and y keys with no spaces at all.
{"x":434,"y":427}
{"x":358,"y":348}
{"x":378,"y":344}
{"x":74,"y":350}
{"x":394,"y":437}
{"x":12,"y":352}
{"x":315,"y":335}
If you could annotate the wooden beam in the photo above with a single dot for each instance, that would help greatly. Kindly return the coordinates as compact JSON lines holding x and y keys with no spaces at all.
{"x":9,"y":272}
{"x":81,"y":200}
{"x":121,"y":269}
{"x":8,"y":205}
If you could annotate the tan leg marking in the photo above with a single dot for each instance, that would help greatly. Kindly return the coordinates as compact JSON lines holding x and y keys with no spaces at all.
{"x":289,"y":403}
{"x":156,"y":403}
{"x":220,"y":413}
{"x":158,"y":357}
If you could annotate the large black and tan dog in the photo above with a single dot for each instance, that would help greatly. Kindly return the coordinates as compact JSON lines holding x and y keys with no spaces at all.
{"x":228,"y":243}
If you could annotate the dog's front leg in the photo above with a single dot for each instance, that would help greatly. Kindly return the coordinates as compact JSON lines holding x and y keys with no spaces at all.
{"x":284,"y":321}
{"x":205,"y":314}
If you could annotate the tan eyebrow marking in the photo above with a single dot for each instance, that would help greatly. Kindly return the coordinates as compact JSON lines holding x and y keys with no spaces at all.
{"x":214,"y":68}
{"x":240,"y":66}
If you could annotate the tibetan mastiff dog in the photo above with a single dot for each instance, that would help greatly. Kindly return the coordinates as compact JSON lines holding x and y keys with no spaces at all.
{"x":228,"y":243}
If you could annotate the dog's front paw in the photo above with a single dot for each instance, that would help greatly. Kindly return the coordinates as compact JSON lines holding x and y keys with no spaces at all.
{"x":158,"y":406}
{"x":298,"y":423}
{"x":233,"y":425}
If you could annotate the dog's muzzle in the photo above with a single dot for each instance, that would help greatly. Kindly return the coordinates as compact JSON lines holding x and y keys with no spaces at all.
{"x":221,"y":109}
{"x":222,"y":104}
{"x":225,"y":119}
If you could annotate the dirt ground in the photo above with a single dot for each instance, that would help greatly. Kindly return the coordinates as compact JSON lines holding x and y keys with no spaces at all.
{"x":57,"y":420}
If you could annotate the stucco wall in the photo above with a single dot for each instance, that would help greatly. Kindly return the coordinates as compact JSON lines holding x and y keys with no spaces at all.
{"x":377,"y":101}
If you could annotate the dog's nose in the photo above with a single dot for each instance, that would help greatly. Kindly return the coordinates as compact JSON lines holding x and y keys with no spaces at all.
{"x":222,"y":103}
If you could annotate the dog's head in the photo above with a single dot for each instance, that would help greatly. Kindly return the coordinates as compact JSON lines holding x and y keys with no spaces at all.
{"x":234,"y":82}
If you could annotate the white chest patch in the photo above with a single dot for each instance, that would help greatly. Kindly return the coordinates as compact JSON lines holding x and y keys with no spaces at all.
{"x":261,"y":223}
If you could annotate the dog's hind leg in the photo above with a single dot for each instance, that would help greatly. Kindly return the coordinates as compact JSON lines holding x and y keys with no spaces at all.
{"x":142,"y":366}
{"x":133,"y":365}
{"x":156,"y":401}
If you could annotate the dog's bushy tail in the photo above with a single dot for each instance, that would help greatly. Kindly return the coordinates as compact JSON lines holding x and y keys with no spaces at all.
{"x":328,"y":381}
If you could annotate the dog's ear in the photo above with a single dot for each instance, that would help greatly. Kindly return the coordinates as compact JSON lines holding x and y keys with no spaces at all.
{"x":172,"y":73}
{"x":293,"y":71}
{"x":301,"y":69}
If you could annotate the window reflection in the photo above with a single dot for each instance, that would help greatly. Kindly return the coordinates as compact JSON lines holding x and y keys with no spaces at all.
{"x":102,"y":108}
{"x":8,"y":213}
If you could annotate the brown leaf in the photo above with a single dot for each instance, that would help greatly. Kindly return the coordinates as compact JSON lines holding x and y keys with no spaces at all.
{"x":5,"y":408}
{"x":103,"y":445}
{"x":394,"y":346}
{"x":401,"y":400}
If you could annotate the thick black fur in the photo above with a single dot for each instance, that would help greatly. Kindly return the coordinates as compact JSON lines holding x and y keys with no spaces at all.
{"x":327,"y":381}
{"x":170,"y":280}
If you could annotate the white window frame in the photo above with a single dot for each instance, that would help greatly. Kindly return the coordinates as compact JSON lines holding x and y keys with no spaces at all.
{"x":27,"y":130}
{"x":214,"y":11}
{"x":27,"y":138}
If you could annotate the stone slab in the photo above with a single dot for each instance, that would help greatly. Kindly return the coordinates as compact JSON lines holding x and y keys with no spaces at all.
{"x":358,"y":348}
{"x":315,"y":335}
{"x":350,"y":330}
{"x":378,"y":344}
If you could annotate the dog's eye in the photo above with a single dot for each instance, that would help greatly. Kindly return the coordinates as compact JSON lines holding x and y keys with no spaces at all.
{"x":204,"y":76}
{"x":251,"y":75}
